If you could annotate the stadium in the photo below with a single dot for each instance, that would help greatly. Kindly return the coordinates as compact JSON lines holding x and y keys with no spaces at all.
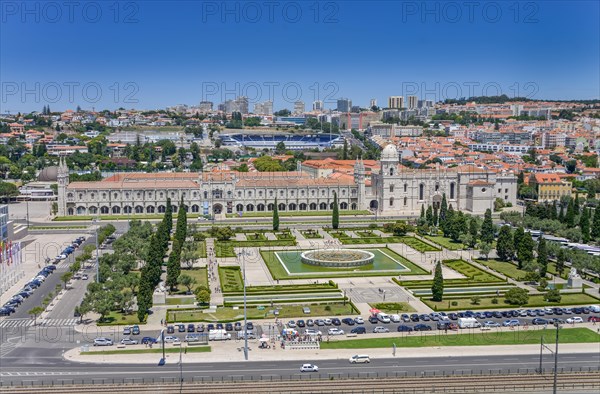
{"x":291,"y":141}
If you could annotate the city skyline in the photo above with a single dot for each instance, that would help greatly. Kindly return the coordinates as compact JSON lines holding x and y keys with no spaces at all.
{"x":437,"y":56}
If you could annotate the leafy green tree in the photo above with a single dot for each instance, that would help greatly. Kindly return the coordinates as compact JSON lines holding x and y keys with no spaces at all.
{"x":35,"y":312}
{"x":437,"y":288}
{"x":187,"y":281}
{"x":401,"y":228}
{"x":584,"y":225}
{"x":335,"y":216}
{"x":66,"y":277}
{"x":275,"y":216}
{"x":8,"y":191}
{"x":487,"y":228}
{"x":552,"y":296}
{"x":561,"y":258}
{"x":485,"y":249}
{"x":542,"y":257}
{"x":202,"y":294}
{"x":517,"y":296}
{"x":505,"y":247}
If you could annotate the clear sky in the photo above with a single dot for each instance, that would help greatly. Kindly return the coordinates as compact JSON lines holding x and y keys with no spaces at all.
{"x":152,"y":54}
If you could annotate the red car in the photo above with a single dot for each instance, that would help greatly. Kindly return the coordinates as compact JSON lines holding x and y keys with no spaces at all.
{"x":594,"y":319}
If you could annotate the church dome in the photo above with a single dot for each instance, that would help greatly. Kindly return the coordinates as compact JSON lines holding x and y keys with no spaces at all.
{"x":390,"y":153}
{"x":48,"y":174}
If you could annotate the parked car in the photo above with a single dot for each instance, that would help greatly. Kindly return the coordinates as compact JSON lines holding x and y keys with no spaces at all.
{"x":594,"y":319}
{"x":348,"y":321}
{"x":327,"y":321}
{"x":4,"y":311}
{"x":181,"y":327}
{"x":538,"y":321}
{"x":359,"y":330}
{"x":312,"y":332}
{"x":373,"y":319}
{"x":170,"y":329}
{"x":359,"y":358}
{"x":335,"y":331}
{"x":511,"y":323}
{"x":237,"y":326}
{"x":192,"y":338}
{"x":403,"y":328}
{"x":148,"y":340}
{"x":292,"y":324}
{"x":310,"y":323}
{"x":491,"y":323}
{"x":300,"y":323}
{"x":336,"y":322}
{"x":127,"y":330}
{"x":103,"y":341}
{"x":359,"y":320}
{"x":422,"y":327}
{"x":380,"y":329}
{"x":191,"y":327}
{"x":135,"y":330}
{"x":320,"y":322}
{"x":170,"y":339}
{"x":229,"y":327}
{"x":574,"y":319}
{"x":84,"y":277}
{"x":128,"y":341}
{"x":309,"y":368}
{"x":405,"y":317}
{"x":200,"y":328}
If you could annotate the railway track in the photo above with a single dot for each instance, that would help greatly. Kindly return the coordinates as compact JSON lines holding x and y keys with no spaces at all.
{"x":449,"y":384}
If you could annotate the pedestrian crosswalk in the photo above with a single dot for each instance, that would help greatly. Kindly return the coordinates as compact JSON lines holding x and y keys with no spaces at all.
{"x":25,"y":322}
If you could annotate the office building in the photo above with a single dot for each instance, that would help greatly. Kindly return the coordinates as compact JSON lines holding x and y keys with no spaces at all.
{"x":344,"y":105}
{"x":317,"y":105}
{"x":299,"y":107}
{"x":395,"y":102}
{"x":412,"y":102}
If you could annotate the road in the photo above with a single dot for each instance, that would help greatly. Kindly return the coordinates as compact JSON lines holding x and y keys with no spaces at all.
{"x":56,"y":370}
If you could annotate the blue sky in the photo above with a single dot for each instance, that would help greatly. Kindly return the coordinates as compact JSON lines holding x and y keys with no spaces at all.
{"x":150,"y":54}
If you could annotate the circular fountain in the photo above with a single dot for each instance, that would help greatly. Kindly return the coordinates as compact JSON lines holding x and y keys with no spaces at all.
{"x":337,"y":258}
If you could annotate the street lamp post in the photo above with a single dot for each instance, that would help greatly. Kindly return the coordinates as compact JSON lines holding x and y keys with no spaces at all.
{"x":555,"y":360}
{"x":242,"y":260}
{"x":96,"y":221}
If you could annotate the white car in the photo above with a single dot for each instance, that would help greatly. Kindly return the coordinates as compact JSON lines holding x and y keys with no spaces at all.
{"x":395,"y":318}
{"x":380,"y":329}
{"x":327,"y":322}
{"x":310,"y":331}
{"x":291,"y":324}
{"x":84,"y":277}
{"x":170,"y":339}
{"x":103,"y":341}
{"x":359,"y":320}
{"x":574,"y":319}
{"x":359,"y":358}
{"x":309,"y":368}
{"x":128,"y":341}
{"x":335,"y":331}
{"x":491,"y":323}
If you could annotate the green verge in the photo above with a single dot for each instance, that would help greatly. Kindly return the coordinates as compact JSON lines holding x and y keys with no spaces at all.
{"x":506,"y":268}
{"x":200,"y":274}
{"x":489,"y":338}
{"x":190,"y":349}
{"x":485,"y":302}
{"x":115,"y":318}
{"x":472,"y":272}
{"x":231,"y":279}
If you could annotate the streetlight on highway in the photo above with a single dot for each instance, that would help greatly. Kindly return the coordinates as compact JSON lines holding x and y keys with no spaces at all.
{"x":96,"y":221}
{"x":245,"y":331}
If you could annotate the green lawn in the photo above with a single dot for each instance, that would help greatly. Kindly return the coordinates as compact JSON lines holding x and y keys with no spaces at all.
{"x":309,"y":234}
{"x":156,"y":349}
{"x":464,"y":302}
{"x":470,"y":271}
{"x":202,"y":249}
{"x":494,"y":337}
{"x":393,"y":307}
{"x":117,"y":318}
{"x":506,"y":268}
{"x":231,"y":279}
{"x":445,"y":242}
{"x":224,"y":249}
{"x":200,"y":274}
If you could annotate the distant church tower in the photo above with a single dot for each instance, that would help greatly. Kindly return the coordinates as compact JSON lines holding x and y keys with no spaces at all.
{"x":63,"y":181}
{"x":389,"y":161}
{"x":359,"y":179}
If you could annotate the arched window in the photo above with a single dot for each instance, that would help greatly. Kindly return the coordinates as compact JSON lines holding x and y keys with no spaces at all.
{"x":391,"y":201}
{"x":93,"y":210}
{"x":115,"y":195}
{"x":116,"y":210}
{"x":127,"y":209}
{"x":249,"y":207}
{"x":270,"y":206}
{"x":323,"y":206}
{"x":195,"y":208}
{"x":104,"y":196}
{"x":161,"y":209}
{"x":239,"y":208}
{"x":70,"y":195}
{"x":302,"y":207}
{"x":80,"y":210}
{"x":70,"y":211}
{"x":104,"y":210}
{"x":421,"y":191}
{"x":344,"y":205}
{"x":405,"y":187}
{"x":452,"y":191}
{"x":281,"y":207}
{"x":260,"y":207}
{"x":313,"y":206}
{"x":292,"y":207}
{"x":80,"y":196}
{"x":437,"y":187}
{"x":353,"y":206}
{"x":150,"y":209}
{"x":139,"y":209}
{"x":206,"y":195}
{"x":405,"y":201}
{"x":391,"y":188}
{"x":391,"y":171}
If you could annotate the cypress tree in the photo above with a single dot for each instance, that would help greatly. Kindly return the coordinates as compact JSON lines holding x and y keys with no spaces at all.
{"x":487,"y":228}
{"x":561,"y":213}
{"x":435,"y":216}
{"x":525,"y":250}
{"x":422,"y":211}
{"x":595,"y":233}
{"x":181,"y":229}
{"x":517,"y":240}
{"x":335,"y":216}
{"x":473,"y":230}
{"x":576,"y":204}
{"x":554,"y":210}
{"x":542,"y":257}
{"x":174,"y":265}
{"x":570,"y":216}
{"x":443,"y":210}
{"x":168,"y":218}
{"x":584,"y":225}
{"x":505,"y":247}
{"x":429,"y":216}
{"x":275,"y":216}
{"x":437,"y":288}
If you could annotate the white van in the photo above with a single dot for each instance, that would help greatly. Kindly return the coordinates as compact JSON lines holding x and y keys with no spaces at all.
{"x":468,"y":322}
{"x":395,"y":318}
{"x":359,"y":358}
{"x":218,"y":335}
{"x":383,"y":317}
{"x":594,"y":308}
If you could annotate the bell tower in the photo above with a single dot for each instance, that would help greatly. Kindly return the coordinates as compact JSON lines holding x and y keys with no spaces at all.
{"x":359,"y":179}
{"x":63,"y":181}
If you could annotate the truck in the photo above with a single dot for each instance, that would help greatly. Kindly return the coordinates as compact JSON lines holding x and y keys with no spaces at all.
{"x":218,"y":335}
{"x":468,"y":322}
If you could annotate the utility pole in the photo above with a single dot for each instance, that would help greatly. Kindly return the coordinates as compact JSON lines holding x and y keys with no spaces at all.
{"x":556,"y":360}
{"x":96,"y":221}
